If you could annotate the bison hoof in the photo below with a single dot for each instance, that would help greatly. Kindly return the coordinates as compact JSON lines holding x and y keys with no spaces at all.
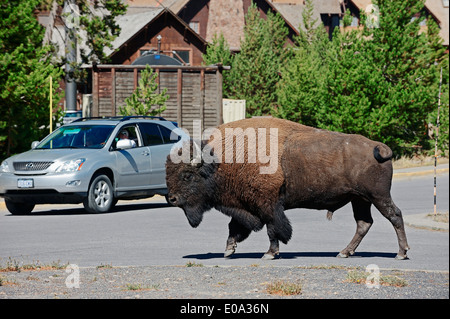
{"x":342,"y":255}
{"x":399,"y":257}
{"x":228,"y":252}
{"x":269,"y":256}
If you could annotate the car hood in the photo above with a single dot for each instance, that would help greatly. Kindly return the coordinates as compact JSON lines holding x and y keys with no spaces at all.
{"x":52,"y":155}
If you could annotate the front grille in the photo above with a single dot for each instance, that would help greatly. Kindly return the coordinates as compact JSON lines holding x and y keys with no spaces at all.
{"x":31,"y":166}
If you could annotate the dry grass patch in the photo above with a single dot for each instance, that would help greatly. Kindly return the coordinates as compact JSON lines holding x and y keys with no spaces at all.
{"x":284,"y":288}
{"x":361,"y":277}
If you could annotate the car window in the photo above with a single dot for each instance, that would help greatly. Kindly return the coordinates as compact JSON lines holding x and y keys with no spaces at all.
{"x":128,"y":132}
{"x":151,"y":134}
{"x":168,"y":135}
{"x":78,"y":136}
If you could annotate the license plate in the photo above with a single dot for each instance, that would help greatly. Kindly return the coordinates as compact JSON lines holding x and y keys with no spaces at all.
{"x":25,"y":183}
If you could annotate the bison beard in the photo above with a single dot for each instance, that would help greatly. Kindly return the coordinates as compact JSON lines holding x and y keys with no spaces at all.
{"x":317,"y":169}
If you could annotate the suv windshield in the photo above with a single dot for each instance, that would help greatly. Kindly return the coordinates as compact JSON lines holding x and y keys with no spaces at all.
{"x":78,"y":136}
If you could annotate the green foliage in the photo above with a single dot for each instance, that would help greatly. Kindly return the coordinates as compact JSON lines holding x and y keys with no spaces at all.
{"x":25,"y":70}
{"x":299,"y":91}
{"x":145,"y":100}
{"x":255,"y":70}
{"x":380,"y":82}
{"x":218,"y":51}
{"x":96,"y":20}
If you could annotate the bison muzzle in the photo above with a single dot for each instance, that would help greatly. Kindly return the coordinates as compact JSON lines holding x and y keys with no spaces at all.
{"x":313,"y":168}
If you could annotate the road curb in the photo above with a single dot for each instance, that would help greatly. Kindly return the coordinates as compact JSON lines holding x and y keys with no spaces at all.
{"x":422,"y":221}
{"x":420,"y":173}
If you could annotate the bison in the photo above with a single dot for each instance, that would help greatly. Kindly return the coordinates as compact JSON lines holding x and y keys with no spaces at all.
{"x":312,"y":168}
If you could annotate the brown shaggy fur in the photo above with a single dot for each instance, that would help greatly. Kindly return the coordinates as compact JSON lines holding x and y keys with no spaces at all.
{"x":316,"y":169}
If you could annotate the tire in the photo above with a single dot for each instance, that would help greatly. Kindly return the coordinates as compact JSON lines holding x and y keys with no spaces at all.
{"x":100,"y":197}
{"x":19,"y":208}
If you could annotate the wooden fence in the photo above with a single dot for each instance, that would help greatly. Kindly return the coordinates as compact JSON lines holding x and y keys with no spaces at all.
{"x":195,"y":93}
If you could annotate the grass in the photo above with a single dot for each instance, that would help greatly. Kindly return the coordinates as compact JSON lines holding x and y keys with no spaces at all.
{"x":191,"y":264}
{"x":284,"y":288}
{"x":417,"y":160}
{"x":360,"y":277}
{"x":138,"y":287}
{"x":439,"y":217}
{"x":5,"y":282}
{"x":15,"y":265}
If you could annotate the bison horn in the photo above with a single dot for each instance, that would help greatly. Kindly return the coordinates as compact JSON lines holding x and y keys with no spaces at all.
{"x":197,"y":156}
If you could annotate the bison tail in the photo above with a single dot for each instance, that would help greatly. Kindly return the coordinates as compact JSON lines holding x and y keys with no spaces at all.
{"x":382,"y":153}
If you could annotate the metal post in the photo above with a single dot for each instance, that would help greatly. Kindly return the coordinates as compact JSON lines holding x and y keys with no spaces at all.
{"x":71,"y":54}
{"x":51,"y":104}
{"x":436,"y":141}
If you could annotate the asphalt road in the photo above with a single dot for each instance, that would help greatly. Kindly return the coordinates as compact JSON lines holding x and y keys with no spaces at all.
{"x":149,"y":233}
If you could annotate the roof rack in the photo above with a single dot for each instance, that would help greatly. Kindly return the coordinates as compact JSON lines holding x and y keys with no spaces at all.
{"x":125,"y":118}
{"x":121,"y":118}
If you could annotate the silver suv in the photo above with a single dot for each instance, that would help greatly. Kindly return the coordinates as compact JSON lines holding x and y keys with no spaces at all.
{"x":93,"y":161}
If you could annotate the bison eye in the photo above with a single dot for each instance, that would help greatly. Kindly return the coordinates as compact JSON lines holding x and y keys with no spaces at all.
{"x":187,"y":177}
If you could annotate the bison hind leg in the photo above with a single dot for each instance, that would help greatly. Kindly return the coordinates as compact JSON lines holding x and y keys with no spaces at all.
{"x":363,"y":218}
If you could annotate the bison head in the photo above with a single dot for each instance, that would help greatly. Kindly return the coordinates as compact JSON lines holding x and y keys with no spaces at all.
{"x":191,"y":180}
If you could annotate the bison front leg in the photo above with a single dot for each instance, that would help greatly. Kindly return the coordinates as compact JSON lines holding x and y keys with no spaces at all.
{"x":274,"y":248}
{"x":363,"y":218}
{"x":237,"y":233}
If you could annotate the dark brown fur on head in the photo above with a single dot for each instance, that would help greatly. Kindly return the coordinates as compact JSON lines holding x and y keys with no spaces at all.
{"x":191,"y":184}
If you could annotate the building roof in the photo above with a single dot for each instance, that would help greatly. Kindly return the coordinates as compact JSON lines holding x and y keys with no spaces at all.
{"x":435,"y":7}
{"x":441,"y":14}
{"x":131,"y":23}
{"x":292,"y":10}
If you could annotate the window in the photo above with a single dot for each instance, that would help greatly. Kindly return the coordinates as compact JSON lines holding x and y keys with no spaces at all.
{"x":167,"y":134}
{"x":195,"y":25}
{"x":182,"y":56}
{"x":128,"y":132}
{"x":151,"y":134}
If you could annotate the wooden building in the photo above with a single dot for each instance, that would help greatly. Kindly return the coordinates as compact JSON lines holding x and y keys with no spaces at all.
{"x":156,"y":29}
{"x":195,"y":92}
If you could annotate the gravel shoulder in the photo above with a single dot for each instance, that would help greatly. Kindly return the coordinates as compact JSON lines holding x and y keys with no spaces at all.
{"x":207,"y":282}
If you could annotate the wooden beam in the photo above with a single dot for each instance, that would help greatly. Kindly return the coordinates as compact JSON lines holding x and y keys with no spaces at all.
{"x":202,"y":98}
{"x":179,"y":97}
{"x":113,"y":91}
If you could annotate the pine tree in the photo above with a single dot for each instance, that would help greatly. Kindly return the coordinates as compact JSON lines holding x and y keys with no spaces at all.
{"x":300,"y":90}
{"x":408,"y":63}
{"x":255,"y":70}
{"x":382,"y":82}
{"x":218,"y":51}
{"x":25,"y":70}
{"x":145,"y":100}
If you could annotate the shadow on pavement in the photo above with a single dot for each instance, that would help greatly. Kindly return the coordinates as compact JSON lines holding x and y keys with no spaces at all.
{"x":80,"y":211}
{"x":288,"y":255}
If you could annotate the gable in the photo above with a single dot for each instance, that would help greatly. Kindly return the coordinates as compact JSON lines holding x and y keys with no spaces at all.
{"x":141,"y":29}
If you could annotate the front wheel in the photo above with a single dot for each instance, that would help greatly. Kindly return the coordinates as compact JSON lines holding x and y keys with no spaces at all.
{"x":19,"y":208}
{"x":100,"y":197}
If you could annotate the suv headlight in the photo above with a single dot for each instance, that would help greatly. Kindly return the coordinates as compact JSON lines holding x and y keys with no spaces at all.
{"x":4,"y":168}
{"x":70,"y":166}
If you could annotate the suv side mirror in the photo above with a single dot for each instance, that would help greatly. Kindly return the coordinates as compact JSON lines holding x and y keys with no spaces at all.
{"x":34,"y":144}
{"x":124,"y":144}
